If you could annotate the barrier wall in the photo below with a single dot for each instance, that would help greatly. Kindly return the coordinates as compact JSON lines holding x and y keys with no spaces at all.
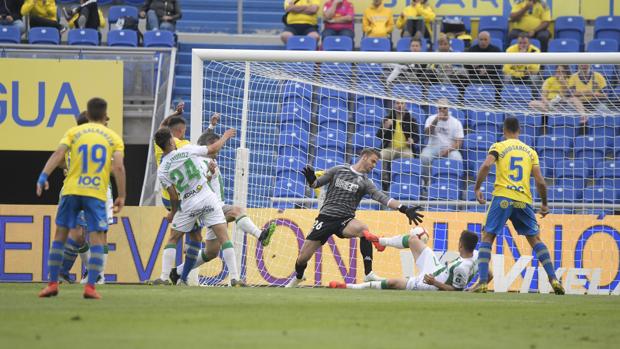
{"x":40,"y":98}
{"x":579,"y":245}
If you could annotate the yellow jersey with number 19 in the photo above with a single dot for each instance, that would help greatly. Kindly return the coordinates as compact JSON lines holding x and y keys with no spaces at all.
{"x":514,"y":162}
{"x":91,"y":147}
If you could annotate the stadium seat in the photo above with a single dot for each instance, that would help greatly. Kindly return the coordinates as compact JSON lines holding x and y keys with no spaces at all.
{"x":331,"y":139}
{"x":376,"y":44}
{"x":293,"y":137}
{"x":486,"y":121}
{"x":44,"y":36}
{"x":608,"y":71}
{"x":332,"y":115}
{"x":405,"y":191}
{"x":9,"y":35}
{"x":437,"y":91}
{"x":457,"y":45}
{"x":476,"y":147}
{"x":134,"y":2}
{"x":534,"y":42}
{"x":480,"y":95}
{"x":602,"y":45}
{"x":608,"y":173}
{"x":365,"y":137}
{"x":158,"y":38}
{"x":518,"y":95}
{"x":495,"y":25}
{"x":117,"y":12}
{"x":572,"y":173}
{"x":341,"y":70}
{"x":287,"y":188}
{"x":328,"y":93}
{"x":84,"y":37}
{"x":294,"y":113}
{"x":444,"y":190}
{"x":301,"y":43}
{"x":590,"y":149}
{"x":530,"y":124}
{"x":560,"y":193}
{"x":295,"y":90}
{"x":570,"y":27}
{"x":407,"y":91}
{"x":466,"y":21}
{"x":607,"y":27}
{"x":552,"y":149}
{"x":406,"y":171}
{"x":290,"y":163}
{"x":564,"y":45}
{"x":338,"y":43}
{"x":122,"y":38}
{"x":404,"y":45}
{"x":328,"y":158}
{"x":369,"y":114}
{"x":470,"y":195}
{"x":600,"y":194}
{"x":446,"y":169}
{"x":563,"y":125}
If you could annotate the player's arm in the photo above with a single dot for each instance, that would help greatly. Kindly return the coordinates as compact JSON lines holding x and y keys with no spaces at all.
{"x":483,"y":172}
{"x":118,"y":171}
{"x":55,"y":160}
{"x":177,"y":111}
{"x":313,"y":181}
{"x":429,"y":279}
{"x":215,"y":147}
{"x":541,"y":187}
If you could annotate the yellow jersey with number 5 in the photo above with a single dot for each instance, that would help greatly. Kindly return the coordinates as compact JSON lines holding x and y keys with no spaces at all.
{"x":91,"y":147}
{"x":514,"y":162}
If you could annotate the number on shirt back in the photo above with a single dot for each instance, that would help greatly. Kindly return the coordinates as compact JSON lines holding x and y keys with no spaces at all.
{"x":181,"y":180}
{"x":515,"y":166}
{"x":317,"y":225}
{"x":97,"y":155}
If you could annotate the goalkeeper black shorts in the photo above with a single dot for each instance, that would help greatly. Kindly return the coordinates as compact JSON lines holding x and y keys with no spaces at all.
{"x":325,"y":226}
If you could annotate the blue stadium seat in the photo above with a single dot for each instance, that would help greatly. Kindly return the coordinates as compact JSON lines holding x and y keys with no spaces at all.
{"x":287,"y":188}
{"x":297,"y":114}
{"x":158,"y":38}
{"x":444,"y":190}
{"x":370,"y":114}
{"x":457,"y":45}
{"x":343,"y":70}
{"x":406,"y":171}
{"x":564,"y":45}
{"x":607,"y":173}
{"x":407,"y":91}
{"x":497,"y":26}
{"x":293,"y":137}
{"x":602,"y":132}
{"x":331,"y":94}
{"x":290,"y":163}
{"x":600,"y":194}
{"x":485,"y":121}
{"x":331,"y":139}
{"x":327,"y":158}
{"x":590,"y":149}
{"x":44,"y":36}
{"x":135,"y":2}
{"x":607,"y":27}
{"x":437,"y":91}
{"x":570,"y":27}
{"x":446,"y":169}
{"x":376,"y":44}
{"x":517,"y":95}
{"x":470,"y":195}
{"x":122,"y":38}
{"x":9,"y":35}
{"x":466,"y":21}
{"x":602,"y":45}
{"x":301,"y":43}
{"x":476,"y":147}
{"x":290,"y":151}
{"x":563,"y":125}
{"x":404,"y":45}
{"x":608,"y":71}
{"x":338,"y":43}
{"x":559,"y":193}
{"x":530,"y":124}
{"x":296,"y":90}
{"x":84,"y":37}
{"x":405,"y":191}
{"x":332,"y":115}
{"x":365,"y":137}
{"x":572,"y":173}
{"x":552,"y":149}
{"x":480,"y":95}
{"x":117,"y":12}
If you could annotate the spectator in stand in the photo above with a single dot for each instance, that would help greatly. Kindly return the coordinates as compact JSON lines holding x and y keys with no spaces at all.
{"x":454,"y":74}
{"x":338,"y":17}
{"x":531,"y":17}
{"x":587,"y":86}
{"x":412,"y":73}
{"x":378,"y":21}
{"x":400,"y":138}
{"x":42,"y":13}
{"x":301,"y":19}
{"x":87,"y":15}
{"x":161,"y":14}
{"x":481,"y":73}
{"x":556,"y":94}
{"x":416,"y":18}
{"x":445,"y":138}
{"x":10,"y":14}
{"x":522,"y":73}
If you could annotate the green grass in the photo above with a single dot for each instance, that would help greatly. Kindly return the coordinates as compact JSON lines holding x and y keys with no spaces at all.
{"x":179,"y":318}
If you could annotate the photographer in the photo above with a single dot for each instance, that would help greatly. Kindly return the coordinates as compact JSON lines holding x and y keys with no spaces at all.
{"x":10,"y":15}
{"x":162,"y":15}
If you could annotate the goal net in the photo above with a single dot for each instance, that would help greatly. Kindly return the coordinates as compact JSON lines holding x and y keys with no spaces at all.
{"x":298,"y":108}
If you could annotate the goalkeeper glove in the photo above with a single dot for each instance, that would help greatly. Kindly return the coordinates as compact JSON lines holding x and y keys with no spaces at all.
{"x":308,"y":172}
{"x":412,"y":213}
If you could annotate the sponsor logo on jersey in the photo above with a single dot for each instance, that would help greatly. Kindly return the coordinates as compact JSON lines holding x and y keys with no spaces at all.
{"x":503,"y":204}
{"x":348,"y":186}
{"x":192,"y":192}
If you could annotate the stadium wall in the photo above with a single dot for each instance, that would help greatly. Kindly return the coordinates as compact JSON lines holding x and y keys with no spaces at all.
{"x":586,"y":250}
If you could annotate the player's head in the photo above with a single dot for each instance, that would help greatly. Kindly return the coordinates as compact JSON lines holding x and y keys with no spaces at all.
{"x":164,"y":140}
{"x":368,"y":160}
{"x":468,"y":241}
{"x":82,"y":119}
{"x":97,"y":110}
{"x":177,"y":126}
{"x":511,"y":127}
{"x":208,"y":138}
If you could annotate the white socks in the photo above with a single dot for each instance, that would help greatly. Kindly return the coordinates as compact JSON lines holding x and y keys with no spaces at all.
{"x":167,"y":262}
{"x":247,"y":226}
{"x":230,"y":260}
{"x":395,"y":241}
{"x":371,"y":284}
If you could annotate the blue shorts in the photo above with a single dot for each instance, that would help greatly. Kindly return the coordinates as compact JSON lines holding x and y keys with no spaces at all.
{"x":81,"y":219}
{"x":94,"y":213}
{"x":521,"y":215}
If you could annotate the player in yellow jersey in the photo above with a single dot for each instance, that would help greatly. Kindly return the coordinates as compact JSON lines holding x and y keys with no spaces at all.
{"x":515,"y":162}
{"x":95,"y":150}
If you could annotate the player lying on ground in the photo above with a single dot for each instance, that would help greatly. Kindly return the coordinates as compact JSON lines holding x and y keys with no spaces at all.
{"x":193,"y":203}
{"x":347,"y":184}
{"x":232,"y":213}
{"x":94,"y":150}
{"x":451,"y":276}
{"x":515,"y":162}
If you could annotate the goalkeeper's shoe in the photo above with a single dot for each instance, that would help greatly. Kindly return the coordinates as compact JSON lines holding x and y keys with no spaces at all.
{"x":482,"y":287}
{"x":237,"y":283}
{"x":265,"y":235}
{"x":174,"y":276}
{"x":372,"y":276}
{"x":294,"y":282}
{"x":337,"y":284}
{"x":50,"y":290}
{"x":63,"y":277}
{"x":557,"y":287}
{"x":159,"y":282}
{"x":90,"y":293}
{"x":374,"y":239}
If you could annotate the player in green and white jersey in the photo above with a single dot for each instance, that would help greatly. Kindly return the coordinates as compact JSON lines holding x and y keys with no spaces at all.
{"x":449,"y":276}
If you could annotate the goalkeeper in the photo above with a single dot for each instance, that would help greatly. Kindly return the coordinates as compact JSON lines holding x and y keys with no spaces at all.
{"x":346,"y":187}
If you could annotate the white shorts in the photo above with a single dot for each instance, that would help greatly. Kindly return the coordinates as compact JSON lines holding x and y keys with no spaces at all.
{"x":427,"y":263}
{"x":207,"y":215}
{"x":210,"y":234}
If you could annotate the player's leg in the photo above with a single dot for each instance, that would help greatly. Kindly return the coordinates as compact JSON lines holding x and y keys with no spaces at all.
{"x":191,"y":254}
{"x":73,"y":246}
{"x":356,"y":228}
{"x":97,"y":226}
{"x":168,"y":258}
{"x":497,"y":215}
{"x":307,"y":251}
{"x":247,"y":225}
{"x":228,"y":253}
{"x":210,"y":252}
{"x":393,"y":284}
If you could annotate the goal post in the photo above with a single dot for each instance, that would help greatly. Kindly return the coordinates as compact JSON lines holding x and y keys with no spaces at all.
{"x":320,"y":108}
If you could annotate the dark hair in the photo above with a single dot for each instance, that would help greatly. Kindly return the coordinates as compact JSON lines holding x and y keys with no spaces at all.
{"x":208,"y":138}
{"x":162,"y":137}
{"x":416,"y":39}
{"x":523,"y":35}
{"x":469,"y":240}
{"x":82,"y":118}
{"x":97,"y":109}
{"x":370,"y":151}
{"x":176,"y":120}
{"x":511,"y":124}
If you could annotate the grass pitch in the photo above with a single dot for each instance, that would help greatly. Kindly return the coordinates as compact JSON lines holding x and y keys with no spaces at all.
{"x":173,"y":317}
